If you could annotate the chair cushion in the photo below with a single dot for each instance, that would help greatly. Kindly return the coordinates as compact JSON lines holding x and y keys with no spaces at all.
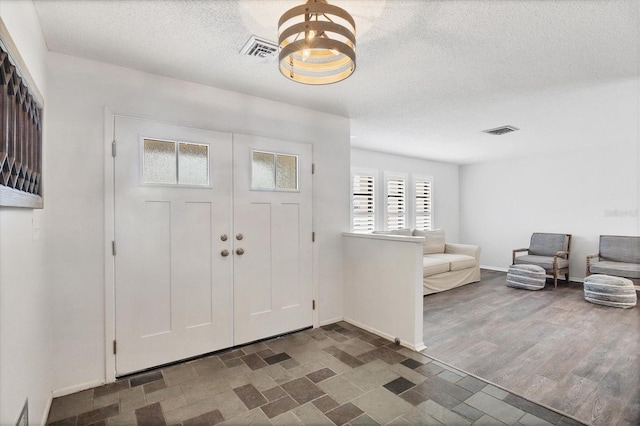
{"x":620,"y":249}
{"x":544,"y":261}
{"x":610,"y":291}
{"x":457,"y":262}
{"x":528,"y":277}
{"x":433,"y":240}
{"x":543,"y":244}
{"x":619,"y":269}
{"x":433,"y":265}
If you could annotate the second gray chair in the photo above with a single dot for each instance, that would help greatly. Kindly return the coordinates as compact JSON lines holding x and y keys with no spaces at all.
{"x":617,"y":255}
{"x":549,"y":251}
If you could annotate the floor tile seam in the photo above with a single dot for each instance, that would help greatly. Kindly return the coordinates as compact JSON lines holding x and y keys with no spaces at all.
{"x":390,"y":421}
{"x":164,"y":414}
{"x":555,"y":410}
{"x":292,"y":411}
{"x":364,"y":391}
{"x":378,"y":386}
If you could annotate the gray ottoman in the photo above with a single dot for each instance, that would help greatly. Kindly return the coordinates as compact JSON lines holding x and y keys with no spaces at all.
{"x":528,"y":277}
{"x":610,"y":291}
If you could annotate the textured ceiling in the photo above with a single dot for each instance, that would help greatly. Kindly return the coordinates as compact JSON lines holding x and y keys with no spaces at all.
{"x":431,"y":75}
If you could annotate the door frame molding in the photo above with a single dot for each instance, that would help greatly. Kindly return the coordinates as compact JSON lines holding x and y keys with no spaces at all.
{"x":109,"y":235}
{"x":110,"y":115}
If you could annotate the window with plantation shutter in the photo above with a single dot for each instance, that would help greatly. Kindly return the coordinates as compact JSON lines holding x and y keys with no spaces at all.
{"x":396,"y":213}
{"x":423,"y":204}
{"x":363,"y":203}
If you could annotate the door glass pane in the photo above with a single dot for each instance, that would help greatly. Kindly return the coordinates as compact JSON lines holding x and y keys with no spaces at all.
{"x":193,"y":164}
{"x":159,"y":161}
{"x":263,"y":174}
{"x":286,"y":172}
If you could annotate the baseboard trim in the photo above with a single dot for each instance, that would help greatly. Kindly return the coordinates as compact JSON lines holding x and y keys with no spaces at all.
{"x":494,"y":268}
{"x":47,"y":408}
{"x":77,"y":388}
{"x":500,"y":269}
{"x":330,"y":321}
{"x":417,"y":347}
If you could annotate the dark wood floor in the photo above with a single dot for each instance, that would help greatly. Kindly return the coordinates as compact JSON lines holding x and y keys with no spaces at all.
{"x":550,"y":346}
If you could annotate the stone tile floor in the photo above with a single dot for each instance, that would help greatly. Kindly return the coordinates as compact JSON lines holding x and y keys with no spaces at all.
{"x":337,"y":374}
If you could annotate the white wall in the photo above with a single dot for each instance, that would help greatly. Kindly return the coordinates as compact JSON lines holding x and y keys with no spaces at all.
{"x":445,"y":183}
{"x":78,"y":92}
{"x":586,"y":191}
{"x":383,"y":286}
{"x":25,"y":314}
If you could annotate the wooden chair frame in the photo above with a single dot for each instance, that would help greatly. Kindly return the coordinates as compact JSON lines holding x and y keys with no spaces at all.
{"x":555,"y":270}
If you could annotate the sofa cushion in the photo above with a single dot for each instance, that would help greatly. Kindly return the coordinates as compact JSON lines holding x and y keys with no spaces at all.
{"x":619,"y":269}
{"x":620,"y":249}
{"x":433,"y":265}
{"x":457,"y":262}
{"x":545,"y":261}
{"x":547,"y":244}
{"x":433,"y":240}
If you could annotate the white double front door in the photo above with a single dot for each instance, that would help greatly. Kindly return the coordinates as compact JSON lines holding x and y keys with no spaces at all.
{"x":212,"y":238}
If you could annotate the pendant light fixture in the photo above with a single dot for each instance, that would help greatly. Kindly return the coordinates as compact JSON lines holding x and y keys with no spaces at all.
{"x":317,"y":43}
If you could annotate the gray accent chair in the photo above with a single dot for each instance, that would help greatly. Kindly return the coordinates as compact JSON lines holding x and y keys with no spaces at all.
{"x":618,"y":256}
{"x":549,"y":251}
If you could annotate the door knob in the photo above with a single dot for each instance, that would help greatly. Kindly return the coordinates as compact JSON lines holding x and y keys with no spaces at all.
{"x":239,"y":237}
{"x":224,"y":253}
{"x":223,"y":237}
{"x":240,"y":251}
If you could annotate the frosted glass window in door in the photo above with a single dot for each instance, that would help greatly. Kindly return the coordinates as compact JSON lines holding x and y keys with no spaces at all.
{"x":159,"y":162}
{"x":193,"y":164}
{"x":286,"y":172}
{"x":263,"y":174}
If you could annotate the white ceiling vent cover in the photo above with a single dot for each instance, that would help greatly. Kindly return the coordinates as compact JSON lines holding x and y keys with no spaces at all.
{"x":260,"y":48}
{"x":503,"y":130}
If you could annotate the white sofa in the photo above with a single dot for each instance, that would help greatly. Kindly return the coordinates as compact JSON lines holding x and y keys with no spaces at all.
{"x":444,"y":265}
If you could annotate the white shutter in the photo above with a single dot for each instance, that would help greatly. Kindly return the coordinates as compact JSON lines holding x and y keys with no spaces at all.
{"x":396,"y":203}
{"x":423,"y":205}
{"x":363,"y":203}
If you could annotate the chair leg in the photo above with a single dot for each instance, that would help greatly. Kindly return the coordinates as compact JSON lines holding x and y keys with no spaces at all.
{"x":555,"y":280}
{"x":566,"y":278}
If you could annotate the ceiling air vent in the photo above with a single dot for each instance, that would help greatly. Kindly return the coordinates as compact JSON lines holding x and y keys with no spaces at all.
{"x":260,"y":48}
{"x":501,"y":130}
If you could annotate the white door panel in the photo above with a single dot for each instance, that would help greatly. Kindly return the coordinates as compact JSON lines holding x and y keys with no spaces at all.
{"x":272,"y":279}
{"x":173,"y":288}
